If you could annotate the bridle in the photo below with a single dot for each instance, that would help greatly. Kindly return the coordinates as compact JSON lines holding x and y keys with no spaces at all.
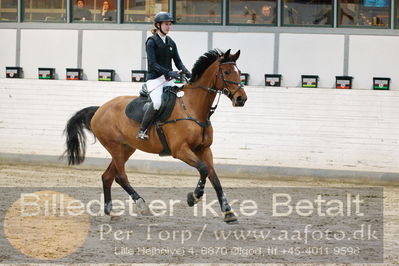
{"x":226,"y":91}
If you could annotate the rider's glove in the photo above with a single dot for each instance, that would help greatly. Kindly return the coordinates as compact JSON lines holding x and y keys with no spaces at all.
{"x":172,"y":75}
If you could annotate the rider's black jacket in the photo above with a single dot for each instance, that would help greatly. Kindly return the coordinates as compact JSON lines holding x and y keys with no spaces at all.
{"x":160,"y":55}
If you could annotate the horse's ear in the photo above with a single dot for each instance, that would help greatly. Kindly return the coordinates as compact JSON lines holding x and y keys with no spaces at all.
{"x":227,"y":54}
{"x":236,"y":56}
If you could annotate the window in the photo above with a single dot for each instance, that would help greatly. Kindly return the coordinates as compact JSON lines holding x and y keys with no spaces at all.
{"x":198,"y":11}
{"x":397,"y":14}
{"x":307,"y":12}
{"x":144,"y":10}
{"x":252,"y":12}
{"x":94,"y":11}
{"x":45,"y":10}
{"x":8,"y":10}
{"x":373,"y":13}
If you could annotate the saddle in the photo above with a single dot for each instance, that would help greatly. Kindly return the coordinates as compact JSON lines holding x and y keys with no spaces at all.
{"x":136,"y":108}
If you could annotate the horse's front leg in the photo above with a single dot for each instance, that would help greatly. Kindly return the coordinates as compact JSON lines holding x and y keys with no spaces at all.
{"x":206,"y":156}
{"x":188,"y":156}
{"x":203,"y":161}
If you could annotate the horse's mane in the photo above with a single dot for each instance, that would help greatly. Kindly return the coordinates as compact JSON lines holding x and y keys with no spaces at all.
{"x":204,"y":61}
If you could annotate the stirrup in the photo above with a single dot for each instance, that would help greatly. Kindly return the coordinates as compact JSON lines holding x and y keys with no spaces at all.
{"x":142,"y":135}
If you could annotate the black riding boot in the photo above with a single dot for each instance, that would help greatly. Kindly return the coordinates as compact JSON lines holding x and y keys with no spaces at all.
{"x":147,"y":120}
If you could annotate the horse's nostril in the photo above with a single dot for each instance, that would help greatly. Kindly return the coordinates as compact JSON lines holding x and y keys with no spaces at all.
{"x":240,"y":101}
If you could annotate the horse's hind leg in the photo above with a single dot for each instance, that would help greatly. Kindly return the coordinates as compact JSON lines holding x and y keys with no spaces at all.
{"x":206,"y":156}
{"x":108,"y":177}
{"x":120,"y":154}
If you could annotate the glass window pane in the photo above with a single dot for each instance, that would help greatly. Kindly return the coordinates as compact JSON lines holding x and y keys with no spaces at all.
{"x":252,"y":12}
{"x":198,"y":11}
{"x":308,"y":12}
{"x":373,"y":13}
{"x":94,"y":11}
{"x":397,"y":14}
{"x":8,"y":10}
{"x":144,"y":10}
{"x":45,"y":10}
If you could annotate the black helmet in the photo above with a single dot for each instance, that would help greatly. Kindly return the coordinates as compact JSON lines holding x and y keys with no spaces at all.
{"x":163,"y":17}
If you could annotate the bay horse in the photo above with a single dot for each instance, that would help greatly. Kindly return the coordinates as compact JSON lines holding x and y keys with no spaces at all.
{"x":189,"y":137}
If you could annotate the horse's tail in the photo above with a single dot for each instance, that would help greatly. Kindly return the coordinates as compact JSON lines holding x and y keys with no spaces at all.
{"x":75,"y":135}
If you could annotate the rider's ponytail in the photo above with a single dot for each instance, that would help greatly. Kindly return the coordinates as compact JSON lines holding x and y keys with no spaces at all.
{"x":154,"y":31}
{"x":155,"y":28}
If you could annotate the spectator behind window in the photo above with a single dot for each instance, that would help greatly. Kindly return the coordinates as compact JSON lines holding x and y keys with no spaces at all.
{"x":106,"y":13}
{"x":268,"y":15}
{"x":290,"y":14}
{"x":81,"y":12}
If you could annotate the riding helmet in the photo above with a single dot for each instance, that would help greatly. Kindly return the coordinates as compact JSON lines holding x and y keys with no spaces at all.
{"x":163,"y":17}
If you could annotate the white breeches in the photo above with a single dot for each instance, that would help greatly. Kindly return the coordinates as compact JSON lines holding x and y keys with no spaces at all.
{"x":155,"y":87}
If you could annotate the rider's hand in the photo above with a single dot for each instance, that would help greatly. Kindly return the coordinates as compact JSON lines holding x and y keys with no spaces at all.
{"x":186,"y":72}
{"x":173,"y":75}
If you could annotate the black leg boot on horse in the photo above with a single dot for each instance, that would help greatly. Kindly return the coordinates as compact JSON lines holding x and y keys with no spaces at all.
{"x":148,"y":118}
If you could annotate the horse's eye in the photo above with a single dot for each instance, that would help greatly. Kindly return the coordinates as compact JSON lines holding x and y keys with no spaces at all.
{"x":226,"y":72}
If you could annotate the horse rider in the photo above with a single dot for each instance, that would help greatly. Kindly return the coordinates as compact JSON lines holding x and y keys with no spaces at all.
{"x":161,"y":49}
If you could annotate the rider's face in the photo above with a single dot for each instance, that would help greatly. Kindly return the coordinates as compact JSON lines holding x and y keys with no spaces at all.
{"x":166,"y":26}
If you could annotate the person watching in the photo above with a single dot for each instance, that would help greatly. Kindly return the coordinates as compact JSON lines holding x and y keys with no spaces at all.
{"x":106,"y":13}
{"x":81,"y":12}
{"x":267,"y":16}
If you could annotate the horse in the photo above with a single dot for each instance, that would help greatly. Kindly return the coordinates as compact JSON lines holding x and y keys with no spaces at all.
{"x":189,"y":135}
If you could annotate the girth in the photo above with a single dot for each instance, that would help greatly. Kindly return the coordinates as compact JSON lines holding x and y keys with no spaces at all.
{"x":204,"y":125}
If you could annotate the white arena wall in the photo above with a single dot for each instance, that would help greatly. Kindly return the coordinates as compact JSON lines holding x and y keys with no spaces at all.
{"x":355,"y":131}
{"x":290,"y":54}
{"x":8,"y":49}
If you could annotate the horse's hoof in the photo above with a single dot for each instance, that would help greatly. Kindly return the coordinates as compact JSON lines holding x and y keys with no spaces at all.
{"x":232,"y":222}
{"x":230,"y":218}
{"x":142,"y":208}
{"x":115,"y":217}
{"x":192,"y":199}
{"x":108,"y":208}
{"x":146,"y":213}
